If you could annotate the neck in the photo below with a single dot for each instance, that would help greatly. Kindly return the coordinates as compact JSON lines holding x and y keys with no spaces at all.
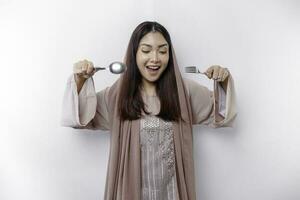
{"x":149,"y":88}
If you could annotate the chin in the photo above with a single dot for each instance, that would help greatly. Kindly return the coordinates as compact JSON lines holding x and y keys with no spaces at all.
{"x":152,"y":80}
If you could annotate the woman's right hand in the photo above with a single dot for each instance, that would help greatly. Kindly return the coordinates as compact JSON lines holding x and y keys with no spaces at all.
{"x":83,"y":69}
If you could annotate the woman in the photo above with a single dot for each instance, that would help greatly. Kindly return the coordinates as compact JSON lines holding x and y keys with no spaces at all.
{"x":149,"y":111}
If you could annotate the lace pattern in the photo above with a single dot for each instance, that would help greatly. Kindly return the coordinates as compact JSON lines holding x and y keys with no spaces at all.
{"x":167,"y":147}
{"x":159,"y":134}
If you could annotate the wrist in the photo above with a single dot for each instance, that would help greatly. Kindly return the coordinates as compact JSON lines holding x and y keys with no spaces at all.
{"x":79,"y":78}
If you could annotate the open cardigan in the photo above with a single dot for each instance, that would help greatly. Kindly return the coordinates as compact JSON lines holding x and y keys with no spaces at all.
{"x":94,"y":110}
{"x":97,"y":110}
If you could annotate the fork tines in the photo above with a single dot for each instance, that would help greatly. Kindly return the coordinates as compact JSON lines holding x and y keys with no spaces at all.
{"x":191,"y":69}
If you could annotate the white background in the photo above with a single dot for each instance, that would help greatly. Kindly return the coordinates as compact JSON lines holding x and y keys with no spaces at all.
{"x":259,"y":41}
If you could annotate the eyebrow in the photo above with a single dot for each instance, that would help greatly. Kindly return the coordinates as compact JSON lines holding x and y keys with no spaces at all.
{"x":151,"y":46}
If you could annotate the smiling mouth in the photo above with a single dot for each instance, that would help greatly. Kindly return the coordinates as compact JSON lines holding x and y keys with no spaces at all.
{"x":153,"y":68}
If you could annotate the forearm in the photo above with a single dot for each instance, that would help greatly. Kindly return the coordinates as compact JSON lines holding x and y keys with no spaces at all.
{"x":79,"y":82}
{"x":218,"y":116}
{"x":224,"y":84}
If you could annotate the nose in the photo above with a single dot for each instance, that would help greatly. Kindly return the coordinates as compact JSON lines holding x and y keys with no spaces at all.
{"x":154,"y":57}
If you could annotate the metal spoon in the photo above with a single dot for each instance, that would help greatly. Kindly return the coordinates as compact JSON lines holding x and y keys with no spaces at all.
{"x":115,"y":67}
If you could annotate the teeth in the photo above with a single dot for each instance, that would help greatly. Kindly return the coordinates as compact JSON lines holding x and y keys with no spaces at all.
{"x":152,"y":67}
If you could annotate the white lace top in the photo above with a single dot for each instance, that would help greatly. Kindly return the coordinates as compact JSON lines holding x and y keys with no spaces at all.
{"x":157,"y":159}
{"x":157,"y":154}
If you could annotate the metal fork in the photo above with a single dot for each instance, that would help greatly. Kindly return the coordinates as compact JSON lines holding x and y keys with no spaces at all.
{"x":193,"y":69}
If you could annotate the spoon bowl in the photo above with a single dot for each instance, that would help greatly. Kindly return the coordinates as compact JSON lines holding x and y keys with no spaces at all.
{"x":115,"y":67}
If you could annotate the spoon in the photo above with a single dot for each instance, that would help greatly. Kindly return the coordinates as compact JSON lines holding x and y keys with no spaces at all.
{"x":115,"y":67}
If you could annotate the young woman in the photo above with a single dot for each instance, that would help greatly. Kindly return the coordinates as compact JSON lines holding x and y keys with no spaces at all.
{"x":149,"y":112}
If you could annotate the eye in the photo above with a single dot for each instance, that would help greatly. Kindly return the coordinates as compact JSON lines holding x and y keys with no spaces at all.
{"x":163,"y":52}
{"x":145,"y":51}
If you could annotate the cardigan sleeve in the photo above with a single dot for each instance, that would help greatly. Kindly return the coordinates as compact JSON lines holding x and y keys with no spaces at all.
{"x":212,"y":108}
{"x":86,"y":110}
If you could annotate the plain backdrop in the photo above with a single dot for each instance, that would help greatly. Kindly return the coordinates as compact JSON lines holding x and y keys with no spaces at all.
{"x":258,"y":159}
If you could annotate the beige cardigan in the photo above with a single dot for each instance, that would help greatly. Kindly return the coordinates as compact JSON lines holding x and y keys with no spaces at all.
{"x":93,"y":110}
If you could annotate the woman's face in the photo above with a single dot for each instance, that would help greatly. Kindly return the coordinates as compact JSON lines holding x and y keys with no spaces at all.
{"x":152,"y":56}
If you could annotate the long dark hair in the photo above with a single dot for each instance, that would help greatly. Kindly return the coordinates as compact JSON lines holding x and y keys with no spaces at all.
{"x":130,"y":102}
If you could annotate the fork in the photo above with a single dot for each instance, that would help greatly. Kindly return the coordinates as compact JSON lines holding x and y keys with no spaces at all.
{"x":193,"y":69}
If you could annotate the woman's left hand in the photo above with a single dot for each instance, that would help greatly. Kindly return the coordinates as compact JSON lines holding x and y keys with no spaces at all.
{"x":217,"y":73}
